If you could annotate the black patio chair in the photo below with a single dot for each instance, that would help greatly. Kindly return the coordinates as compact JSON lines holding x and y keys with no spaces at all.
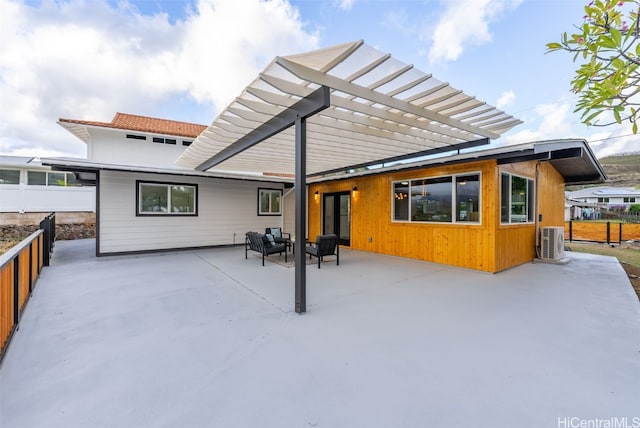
{"x":279,"y":236}
{"x":325,"y":245}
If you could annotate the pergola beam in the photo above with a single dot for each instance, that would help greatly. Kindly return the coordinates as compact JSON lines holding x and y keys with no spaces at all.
{"x":316,"y":101}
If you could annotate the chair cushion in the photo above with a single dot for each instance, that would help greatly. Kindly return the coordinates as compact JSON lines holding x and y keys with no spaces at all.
{"x":276,"y":232}
{"x":271,"y":239}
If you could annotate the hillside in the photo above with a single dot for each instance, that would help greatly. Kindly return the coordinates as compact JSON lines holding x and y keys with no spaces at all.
{"x":622,"y":170}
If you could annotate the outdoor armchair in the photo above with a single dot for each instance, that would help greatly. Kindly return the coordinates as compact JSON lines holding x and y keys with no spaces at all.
{"x":325,"y":245}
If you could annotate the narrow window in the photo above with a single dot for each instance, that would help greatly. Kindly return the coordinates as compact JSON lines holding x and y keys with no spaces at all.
{"x":401,"y":201}
{"x":136,"y":137}
{"x":158,"y":140}
{"x":186,"y":143}
{"x":269,"y":201}
{"x":505,"y":184}
{"x":468,"y":198}
{"x":171,"y":199}
{"x":169,"y":141}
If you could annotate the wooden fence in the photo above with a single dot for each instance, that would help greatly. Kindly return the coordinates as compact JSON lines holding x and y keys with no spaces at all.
{"x":601,"y":232}
{"x":19,"y":271}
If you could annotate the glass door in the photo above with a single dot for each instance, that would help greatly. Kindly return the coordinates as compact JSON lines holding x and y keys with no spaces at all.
{"x":336,"y":216}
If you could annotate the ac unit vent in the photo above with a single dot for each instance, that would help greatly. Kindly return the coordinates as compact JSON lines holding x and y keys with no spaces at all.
{"x":552,"y":243}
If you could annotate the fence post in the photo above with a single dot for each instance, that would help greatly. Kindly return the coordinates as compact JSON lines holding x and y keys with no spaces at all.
{"x":620,"y":236}
{"x":570,"y":230}
{"x":48,"y":224}
{"x":608,"y":232}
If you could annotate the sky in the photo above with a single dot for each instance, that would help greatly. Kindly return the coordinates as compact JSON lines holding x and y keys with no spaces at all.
{"x":187,"y":60}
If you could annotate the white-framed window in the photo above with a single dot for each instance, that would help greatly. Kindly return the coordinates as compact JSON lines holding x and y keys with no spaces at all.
{"x":603,"y":200}
{"x":50,"y":178}
{"x":516,"y":199}
{"x":629,"y":200}
{"x":444,"y":199}
{"x":9,"y":176}
{"x":169,"y":199}
{"x":269,"y":201}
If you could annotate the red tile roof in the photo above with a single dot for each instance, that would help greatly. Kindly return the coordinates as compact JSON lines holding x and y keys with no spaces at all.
{"x":131,"y":122}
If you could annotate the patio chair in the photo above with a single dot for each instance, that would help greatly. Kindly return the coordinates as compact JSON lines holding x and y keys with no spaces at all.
{"x":325,"y":245}
{"x":279,"y":236}
{"x":260,"y":243}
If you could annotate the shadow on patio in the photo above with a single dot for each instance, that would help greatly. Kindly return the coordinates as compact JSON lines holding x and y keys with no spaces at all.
{"x":207,"y":338}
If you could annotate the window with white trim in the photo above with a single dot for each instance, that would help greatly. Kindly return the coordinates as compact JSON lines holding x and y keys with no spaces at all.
{"x":269,"y":201}
{"x":171,"y":199}
{"x":9,"y":176}
{"x":44,"y":178}
{"x":445,"y":199}
{"x":516,"y":199}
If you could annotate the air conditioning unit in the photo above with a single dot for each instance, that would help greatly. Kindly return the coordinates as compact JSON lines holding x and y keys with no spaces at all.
{"x":552,"y":243}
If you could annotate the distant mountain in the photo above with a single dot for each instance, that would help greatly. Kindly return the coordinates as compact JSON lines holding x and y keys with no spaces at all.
{"x":622,"y":170}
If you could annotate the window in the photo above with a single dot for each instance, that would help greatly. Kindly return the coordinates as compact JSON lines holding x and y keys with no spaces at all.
{"x":9,"y":176}
{"x":603,"y":200}
{"x":628,"y":200}
{"x":448,"y":199}
{"x":136,"y":137}
{"x":164,"y":140}
{"x":186,"y":143}
{"x":269,"y":201}
{"x":468,"y":198}
{"x":44,"y":178}
{"x":516,"y":199}
{"x":172,"y":199}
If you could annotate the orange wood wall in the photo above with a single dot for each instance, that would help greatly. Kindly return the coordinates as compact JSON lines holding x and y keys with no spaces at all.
{"x":487,"y":246}
{"x":470,"y":246}
{"x":516,"y":244}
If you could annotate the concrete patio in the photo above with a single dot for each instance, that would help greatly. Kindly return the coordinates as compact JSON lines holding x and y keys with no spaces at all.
{"x":208,"y":339}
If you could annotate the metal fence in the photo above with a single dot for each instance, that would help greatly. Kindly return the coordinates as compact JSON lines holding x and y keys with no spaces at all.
{"x":20,"y":268}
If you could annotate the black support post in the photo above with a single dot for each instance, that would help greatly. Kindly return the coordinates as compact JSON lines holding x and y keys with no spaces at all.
{"x":570,"y":230}
{"x":608,"y":232}
{"x":301,"y":215}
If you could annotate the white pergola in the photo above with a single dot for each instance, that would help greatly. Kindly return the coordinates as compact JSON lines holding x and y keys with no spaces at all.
{"x":380,"y":109}
{"x":352,"y":106}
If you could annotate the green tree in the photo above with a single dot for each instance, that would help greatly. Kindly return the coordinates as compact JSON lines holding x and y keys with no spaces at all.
{"x":607,"y":49}
{"x":634,"y":208}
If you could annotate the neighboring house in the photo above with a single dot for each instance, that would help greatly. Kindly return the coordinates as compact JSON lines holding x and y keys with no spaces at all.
{"x":607,"y":197}
{"x":353,"y":112}
{"x":26,"y":186}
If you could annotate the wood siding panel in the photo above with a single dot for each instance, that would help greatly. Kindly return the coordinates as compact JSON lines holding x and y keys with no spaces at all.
{"x":227,"y":209}
{"x":23,"y":283}
{"x":6,"y":303}
{"x":464,"y":245}
{"x":516,"y":244}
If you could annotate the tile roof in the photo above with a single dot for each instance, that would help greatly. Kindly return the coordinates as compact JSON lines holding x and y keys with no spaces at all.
{"x":131,"y":122}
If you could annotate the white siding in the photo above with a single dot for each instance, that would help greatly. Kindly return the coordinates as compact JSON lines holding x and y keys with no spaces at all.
{"x":227,"y":209}
{"x":113,"y":147}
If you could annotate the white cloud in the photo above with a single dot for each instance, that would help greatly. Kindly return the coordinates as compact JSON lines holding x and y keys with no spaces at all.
{"x":465,"y":22}
{"x":506,"y":98}
{"x":88,"y":60}
{"x":345,"y":4}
